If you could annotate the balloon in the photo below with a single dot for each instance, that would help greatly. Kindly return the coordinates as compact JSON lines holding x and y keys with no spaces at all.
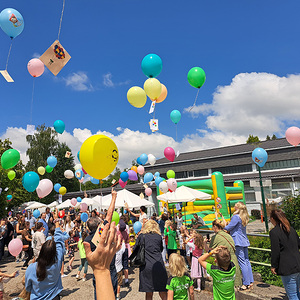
{"x":11,"y":174}
{"x":44,"y":188}
{"x":122,"y":183}
{"x":69,"y":174}
{"x":61,"y":214}
{"x":57,"y":186}
{"x":163,"y":94}
{"x":163,"y":186}
{"x":10,"y":158}
{"x":62,"y":190}
{"x":138,"y":160}
{"x":94,"y":180}
{"x":175,"y":116}
{"x":83,"y":207}
{"x":52,"y":161}
{"x":151,"y":65}
{"x":170,"y":174}
{"x":124,"y":176}
{"x":151,"y":159}
{"x":11,"y":22}
{"x":196,"y":77}
{"x":79,"y":199}
{"x":143,"y":158}
{"x":78,"y":155}
{"x":292,"y":135}
{"x":132,"y":175}
{"x":172,"y":184}
{"x":73,"y":201}
{"x":77,"y":167}
{"x":115,"y":218}
{"x":84,"y":172}
{"x":49,"y":169}
{"x":99,"y":156}
{"x":141,"y":170}
{"x":15,"y":247}
{"x":156,"y":174}
{"x":36,"y":213}
{"x":79,"y":174}
{"x":148,"y":191}
{"x":259,"y":156}
{"x":30,"y":181}
{"x":148,"y":177}
{"x":169,"y":153}
{"x":134,"y":168}
{"x":9,"y":197}
{"x":35,"y":67}
{"x":41,"y":170}
{"x":137,"y":97}
{"x":158,"y":180}
{"x":137,"y":226}
{"x":152,"y":87}
{"x":84,"y":217}
{"x":59,"y":126}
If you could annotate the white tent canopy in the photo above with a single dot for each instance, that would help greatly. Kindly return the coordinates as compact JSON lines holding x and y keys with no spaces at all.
{"x":36,"y":205}
{"x":65,"y":204}
{"x":90,"y":201}
{"x":53,"y":204}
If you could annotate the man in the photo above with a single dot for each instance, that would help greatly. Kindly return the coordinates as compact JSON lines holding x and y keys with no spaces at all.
{"x":48,"y":214}
{"x":45,"y":225}
{"x":3,"y":235}
{"x":71,"y":213}
{"x":197,"y":222}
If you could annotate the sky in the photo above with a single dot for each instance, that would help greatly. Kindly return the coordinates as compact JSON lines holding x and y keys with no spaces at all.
{"x":249,"y":51}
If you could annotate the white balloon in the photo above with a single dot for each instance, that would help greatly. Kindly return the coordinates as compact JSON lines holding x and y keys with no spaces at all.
{"x":44,"y":188}
{"x":163,"y":186}
{"x":151,"y":159}
{"x":77,"y":167}
{"x":172,"y":184}
{"x":69,"y":174}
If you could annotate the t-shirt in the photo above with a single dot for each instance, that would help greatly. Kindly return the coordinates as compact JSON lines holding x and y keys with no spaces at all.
{"x":180,"y":286}
{"x":223,"y":281}
{"x":81,"y":249}
{"x":38,"y":239}
{"x":118,"y":261}
{"x":142,"y":217}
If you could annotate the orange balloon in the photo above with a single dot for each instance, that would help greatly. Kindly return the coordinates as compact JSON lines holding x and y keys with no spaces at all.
{"x":134,"y":168}
{"x":163,"y":94}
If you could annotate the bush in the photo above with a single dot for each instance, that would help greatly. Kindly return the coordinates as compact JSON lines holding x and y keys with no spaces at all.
{"x":291,"y":207}
{"x":255,"y":213}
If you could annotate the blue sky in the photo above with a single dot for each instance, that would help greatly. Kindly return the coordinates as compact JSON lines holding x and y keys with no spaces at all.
{"x":249,"y":50}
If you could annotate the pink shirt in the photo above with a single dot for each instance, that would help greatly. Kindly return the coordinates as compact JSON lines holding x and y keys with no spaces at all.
{"x":197,"y":252}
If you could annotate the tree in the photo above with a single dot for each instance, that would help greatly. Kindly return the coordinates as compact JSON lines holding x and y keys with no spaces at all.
{"x":268,"y":138}
{"x":291,"y":208}
{"x":274,"y":137}
{"x":252,"y":139}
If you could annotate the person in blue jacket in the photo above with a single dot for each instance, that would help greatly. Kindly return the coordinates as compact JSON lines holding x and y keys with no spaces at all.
{"x":42,"y":278}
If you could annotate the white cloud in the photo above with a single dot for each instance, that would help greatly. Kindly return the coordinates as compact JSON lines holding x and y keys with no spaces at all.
{"x":108,"y":82}
{"x":79,"y":82}
{"x":36,"y":55}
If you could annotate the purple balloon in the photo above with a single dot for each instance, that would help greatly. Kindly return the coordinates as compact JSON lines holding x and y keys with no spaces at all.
{"x":132,"y":175}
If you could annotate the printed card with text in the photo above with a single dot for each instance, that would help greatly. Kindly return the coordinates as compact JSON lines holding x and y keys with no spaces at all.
{"x":153,"y":124}
{"x":152,"y":107}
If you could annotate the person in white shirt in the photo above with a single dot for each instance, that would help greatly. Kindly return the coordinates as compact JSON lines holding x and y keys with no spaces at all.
{"x":179,"y":220}
{"x":142,"y":215}
{"x":68,"y":225}
{"x":119,"y":268}
{"x":38,"y":239}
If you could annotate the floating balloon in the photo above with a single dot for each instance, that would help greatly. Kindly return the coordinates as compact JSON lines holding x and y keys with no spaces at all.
{"x":94,"y":180}
{"x":158,"y":180}
{"x":163,"y":94}
{"x":99,"y":156}
{"x":44,"y":188}
{"x":73,"y":201}
{"x":84,"y":217}
{"x":115,"y":218}
{"x":11,"y":174}
{"x":84,"y":172}
{"x":41,"y":170}
{"x":134,"y":168}
{"x":69,"y":174}
{"x":170,"y":174}
{"x":169,"y":154}
{"x":292,"y":135}
{"x":57,"y":186}
{"x":61,"y":214}
{"x":196,"y":77}
{"x":259,"y":156}
{"x":175,"y":116}
{"x":79,"y":199}
{"x":151,"y":159}
{"x":77,"y":167}
{"x":52,"y":161}
{"x":78,"y":156}
{"x":10,"y":158}
{"x":11,"y":22}
{"x":138,"y":160}
{"x":49,"y":169}
{"x":172,"y":184}
{"x":9,"y":197}
{"x":35,"y":67}
{"x":143,"y":158}
{"x":62,"y":190}
{"x":15,"y":247}
{"x":152,"y":87}
{"x":141,"y":170}
{"x":148,"y":191}
{"x":157,"y":174}
{"x":122,"y":183}
{"x":151,"y":65}
{"x":137,"y":97}
{"x":78,"y":174}
{"x":132,"y":175}
{"x":36,"y":213}
{"x":163,"y":187}
{"x":30,"y":181}
{"x":59,"y":126}
{"x":137,"y":226}
{"x":148,"y":177}
{"x":124,"y":176}
{"x":83,"y":206}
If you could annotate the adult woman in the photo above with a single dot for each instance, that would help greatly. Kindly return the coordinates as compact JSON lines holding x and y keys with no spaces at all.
{"x":237,"y":228}
{"x":153,"y":275}
{"x":285,"y":257}
{"x":142,"y":215}
{"x":26,"y":240}
{"x":68,"y":225}
{"x":221,"y":238}
{"x":19,"y":228}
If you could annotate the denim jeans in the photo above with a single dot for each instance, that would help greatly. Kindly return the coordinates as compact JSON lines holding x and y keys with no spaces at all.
{"x":291,"y":284}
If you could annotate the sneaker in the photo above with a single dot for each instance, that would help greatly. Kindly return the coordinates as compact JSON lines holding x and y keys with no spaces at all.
{"x":77,"y":276}
{"x":197,"y":290}
{"x":83,"y":279}
{"x":64,"y":275}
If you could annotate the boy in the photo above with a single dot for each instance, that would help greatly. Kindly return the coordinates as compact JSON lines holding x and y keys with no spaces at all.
{"x":119,"y":268}
{"x":223,"y":274}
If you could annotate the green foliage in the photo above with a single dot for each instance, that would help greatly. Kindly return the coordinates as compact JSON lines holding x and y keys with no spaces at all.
{"x":268,"y":138}
{"x":252,"y":139}
{"x":274,"y":137}
{"x":291,"y":207}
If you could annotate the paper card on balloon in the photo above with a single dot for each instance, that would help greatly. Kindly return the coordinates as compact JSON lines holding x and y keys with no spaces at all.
{"x":178,"y":153}
{"x":30,"y":130}
{"x":59,"y":198}
{"x":68,"y":154}
{"x":6,"y":189}
{"x":55,"y":57}
{"x":113,"y":181}
{"x":152,"y":107}
{"x":178,"y":207}
{"x":153,"y":124}
{"x":145,"y":186}
{"x":142,"y":196}
{"x":6,"y":76}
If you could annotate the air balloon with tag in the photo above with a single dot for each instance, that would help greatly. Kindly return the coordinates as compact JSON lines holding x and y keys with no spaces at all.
{"x":260,"y":156}
{"x":175,"y":116}
{"x":57,"y":186}
{"x":152,"y":87}
{"x":15,"y":247}
{"x":11,"y":22}
{"x":62,"y":190}
{"x":163,"y":94}
{"x":196,"y":77}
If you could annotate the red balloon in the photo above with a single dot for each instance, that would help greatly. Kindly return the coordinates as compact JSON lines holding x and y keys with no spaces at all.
{"x":61,"y":214}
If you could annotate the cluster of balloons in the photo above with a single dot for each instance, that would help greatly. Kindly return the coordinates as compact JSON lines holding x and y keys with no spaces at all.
{"x":292,"y":135}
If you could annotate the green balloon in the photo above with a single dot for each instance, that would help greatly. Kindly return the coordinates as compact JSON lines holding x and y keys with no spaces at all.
{"x":49,"y":169}
{"x":196,"y":77}
{"x":10,"y":158}
{"x":11,"y":175}
{"x":115,"y":218}
{"x":171,"y":174}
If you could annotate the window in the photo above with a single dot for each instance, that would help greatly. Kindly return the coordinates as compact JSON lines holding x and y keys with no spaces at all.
{"x":199,"y":173}
{"x":281,"y":164}
{"x":233,"y":169}
{"x":179,"y":175}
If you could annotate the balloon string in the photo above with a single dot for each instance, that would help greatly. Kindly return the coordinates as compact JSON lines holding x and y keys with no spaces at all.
{"x":31,"y":108}
{"x":176,"y":132}
{"x":8,"y":54}
{"x":61,"y":18}
{"x":195,"y":101}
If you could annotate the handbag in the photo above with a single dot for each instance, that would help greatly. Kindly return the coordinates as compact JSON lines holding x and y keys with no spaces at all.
{"x":137,"y":257}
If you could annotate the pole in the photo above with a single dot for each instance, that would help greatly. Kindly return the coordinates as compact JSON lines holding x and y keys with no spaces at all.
{"x":263,"y":200}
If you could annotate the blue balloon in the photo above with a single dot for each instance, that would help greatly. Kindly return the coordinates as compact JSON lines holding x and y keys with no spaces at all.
{"x":30,"y":181}
{"x":79,"y":199}
{"x":36,"y":213}
{"x":138,"y":160}
{"x":137,"y":226}
{"x":11,"y":22}
{"x":84,"y":217}
{"x":158,"y":180}
{"x":94,"y":180}
{"x":57,"y":186}
{"x":148,"y":177}
{"x":175,"y":116}
{"x":78,"y":154}
{"x":157,"y":174}
{"x":151,"y":65}
{"x":59,"y":126}
{"x":144,"y":158}
{"x":125,"y":211}
{"x":259,"y":156}
{"x":9,"y":197}
{"x":52,"y":161}
{"x":124,"y":176}
{"x":78,"y":174}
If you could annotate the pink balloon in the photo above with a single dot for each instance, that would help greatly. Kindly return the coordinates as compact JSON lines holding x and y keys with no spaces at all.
{"x":141,"y":170}
{"x":83,"y":207}
{"x":73,"y":201}
{"x":122,"y":183}
{"x":132,"y":175}
{"x":84,"y":172}
{"x":44,"y":188}
{"x":169,"y":154}
{"x":172,"y":184}
{"x":148,"y":192}
{"x":35,"y":67}
{"x":15,"y":247}
{"x":292,"y":135}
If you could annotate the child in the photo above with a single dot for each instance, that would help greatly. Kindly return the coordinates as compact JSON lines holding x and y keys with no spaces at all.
{"x":189,"y":245}
{"x":4,"y":278}
{"x":131,"y":241}
{"x":179,"y":284}
{"x":119,"y":268}
{"x":223,"y":274}
{"x":71,"y":249}
{"x":38,"y":239}
{"x":172,"y":245}
{"x":84,"y":262}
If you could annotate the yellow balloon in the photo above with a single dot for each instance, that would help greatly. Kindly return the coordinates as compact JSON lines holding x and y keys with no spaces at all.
{"x":136,"y":96}
{"x":99,"y":156}
{"x":41,"y":170}
{"x":152,"y":87}
{"x":62,"y":190}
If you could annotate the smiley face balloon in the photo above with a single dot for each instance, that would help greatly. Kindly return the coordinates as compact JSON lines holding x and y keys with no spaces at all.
{"x":99,"y":156}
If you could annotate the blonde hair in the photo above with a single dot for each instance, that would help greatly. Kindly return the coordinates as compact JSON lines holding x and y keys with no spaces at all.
{"x":177,"y":265}
{"x":242,"y":212}
{"x":151,"y":226}
{"x":168,"y":223}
